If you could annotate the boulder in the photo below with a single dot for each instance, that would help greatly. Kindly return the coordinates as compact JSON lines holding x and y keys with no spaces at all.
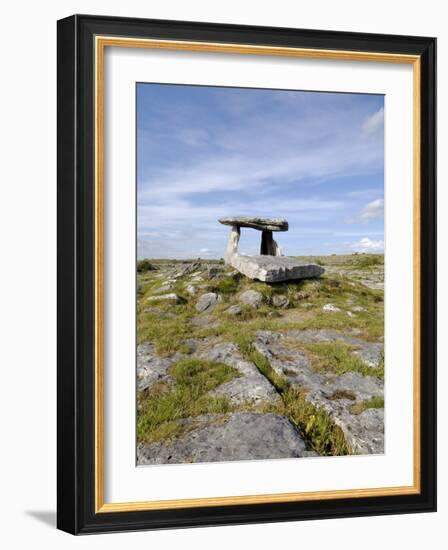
{"x":151,"y":368}
{"x":191,"y":290}
{"x":207,"y":302}
{"x":233,"y":310}
{"x":280,"y":300}
{"x":251,"y":298}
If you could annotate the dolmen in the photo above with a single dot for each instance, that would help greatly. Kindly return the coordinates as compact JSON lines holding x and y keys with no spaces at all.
{"x":270,"y":265}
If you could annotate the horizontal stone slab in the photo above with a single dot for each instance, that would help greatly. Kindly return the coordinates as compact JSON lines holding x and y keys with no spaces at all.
{"x":239,"y":436}
{"x":274,"y":269}
{"x":262,"y":224}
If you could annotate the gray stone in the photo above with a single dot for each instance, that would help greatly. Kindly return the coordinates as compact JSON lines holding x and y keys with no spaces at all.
{"x":233,"y":310}
{"x":172,"y":297}
{"x":150,"y":368}
{"x":251,"y":298}
{"x":251,"y":386}
{"x":187,"y":269}
{"x":370,"y":352}
{"x":240,"y":436}
{"x":262,"y":224}
{"x":207,"y":302}
{"x":359,"y":308}
{"x":191,"y":290}
{"x":163,"y":289}
{"x":280,"y":300}
{"x":204,"y":320}
{"x":331,"y":308}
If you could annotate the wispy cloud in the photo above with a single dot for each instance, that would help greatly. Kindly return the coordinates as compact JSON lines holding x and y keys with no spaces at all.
{"x":374,"y":123}
{"x":372,"y":210}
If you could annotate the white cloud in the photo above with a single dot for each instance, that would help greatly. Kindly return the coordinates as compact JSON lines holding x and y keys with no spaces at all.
{"x":373,"y":123}
{"x":372,"y":210}
{"x":204,"y":250}
{"x":367,"y":245}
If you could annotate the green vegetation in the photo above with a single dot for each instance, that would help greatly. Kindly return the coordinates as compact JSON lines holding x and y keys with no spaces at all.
{"x":376,"y":402}
{"x":167,"y":333}
{"x":338,"y":358}
{"x":364,"y":261}
{"x":322,"y":434}
{"x":224,"y":285}
{"x":145,"y":265}
{"x":162,"y":410}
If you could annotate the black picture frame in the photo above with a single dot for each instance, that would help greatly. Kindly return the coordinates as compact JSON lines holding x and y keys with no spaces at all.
{"x":76,"y":286}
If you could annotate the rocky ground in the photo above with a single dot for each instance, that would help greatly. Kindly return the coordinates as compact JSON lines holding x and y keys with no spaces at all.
{"x":234,"y":369}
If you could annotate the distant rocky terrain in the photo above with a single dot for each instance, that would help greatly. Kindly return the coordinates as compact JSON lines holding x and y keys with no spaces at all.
{"x":230,"y":368}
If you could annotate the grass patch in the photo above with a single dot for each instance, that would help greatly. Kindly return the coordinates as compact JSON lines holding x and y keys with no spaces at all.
{"x":224,"y":285}
{"x":375,"y":402}
{"x":369,"y":260}
{"x":167,"y":334}
{"x":162,"y":409}
{"x":321,"y":432}
{"x":338,"y":358}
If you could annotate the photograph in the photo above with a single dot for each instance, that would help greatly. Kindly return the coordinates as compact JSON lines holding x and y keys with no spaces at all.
{"x":259,"y":274}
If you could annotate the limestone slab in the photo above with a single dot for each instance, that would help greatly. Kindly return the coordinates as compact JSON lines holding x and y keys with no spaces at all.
{"x":240,"y":436}
{"x":262,"y":224}
{"x":274,"y":269}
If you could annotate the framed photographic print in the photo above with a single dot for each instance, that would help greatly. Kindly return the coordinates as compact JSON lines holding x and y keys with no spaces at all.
{"x":246,"y":274}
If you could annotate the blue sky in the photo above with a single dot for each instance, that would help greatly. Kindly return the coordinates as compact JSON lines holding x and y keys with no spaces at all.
{"x":316,"y":159}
